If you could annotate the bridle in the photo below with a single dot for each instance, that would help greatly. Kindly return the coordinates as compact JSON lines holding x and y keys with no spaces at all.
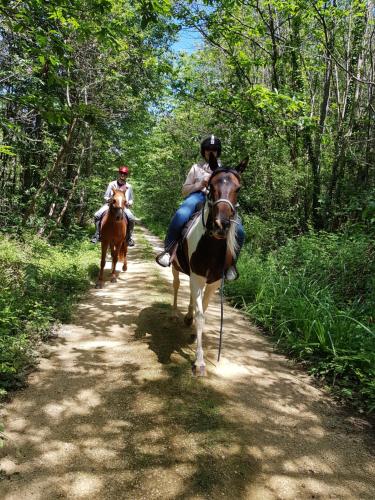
{"x":113,"y":208}
{"x":211,"y":203}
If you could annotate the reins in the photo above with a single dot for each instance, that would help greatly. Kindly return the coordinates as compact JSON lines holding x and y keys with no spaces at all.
{"x":221,"y":315}
{"x":211,"y":204}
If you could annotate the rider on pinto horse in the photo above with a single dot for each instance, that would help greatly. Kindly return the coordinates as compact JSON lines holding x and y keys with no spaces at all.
{"x":194,"y":190}
{"x":122,"y":185}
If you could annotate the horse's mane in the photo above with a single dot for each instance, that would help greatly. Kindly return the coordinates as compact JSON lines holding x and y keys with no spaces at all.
{"x":231,"y":238}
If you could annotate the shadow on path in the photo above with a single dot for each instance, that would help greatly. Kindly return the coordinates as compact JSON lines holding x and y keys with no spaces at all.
{"x":114,"y":413}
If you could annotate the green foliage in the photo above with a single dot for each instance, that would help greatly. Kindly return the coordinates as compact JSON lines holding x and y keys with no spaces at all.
{"x":316,"y":295}
{"x":40,"y":284}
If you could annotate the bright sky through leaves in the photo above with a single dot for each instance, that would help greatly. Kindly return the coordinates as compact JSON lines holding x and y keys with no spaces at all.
{"x":189,"y":40}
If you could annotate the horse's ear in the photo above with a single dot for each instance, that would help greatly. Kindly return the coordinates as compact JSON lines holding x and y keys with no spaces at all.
{"x":243,"y":164}
{"x":212,"y":161}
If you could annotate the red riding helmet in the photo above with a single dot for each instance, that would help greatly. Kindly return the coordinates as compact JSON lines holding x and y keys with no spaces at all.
{"x":123,"y":170}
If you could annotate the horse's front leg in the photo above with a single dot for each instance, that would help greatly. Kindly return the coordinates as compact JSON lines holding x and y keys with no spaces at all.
{"x":99,"y":283}
{"x":197,"y":284}
{"x":114,"y":251}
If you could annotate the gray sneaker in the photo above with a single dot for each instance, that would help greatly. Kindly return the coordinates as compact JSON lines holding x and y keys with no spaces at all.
{"x":163,"y":259}
{"x":231,"y":273}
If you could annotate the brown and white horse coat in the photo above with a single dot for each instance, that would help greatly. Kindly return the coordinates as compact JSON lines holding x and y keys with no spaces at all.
{"x":209,"y":248}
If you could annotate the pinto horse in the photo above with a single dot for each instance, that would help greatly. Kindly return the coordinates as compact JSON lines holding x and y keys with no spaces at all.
{"x":209,"y":248}
{"x":113,"y":234}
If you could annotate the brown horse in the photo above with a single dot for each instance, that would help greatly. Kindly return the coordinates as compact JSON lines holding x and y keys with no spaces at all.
{"x":113,"y":234}
{"x":209,"y":248}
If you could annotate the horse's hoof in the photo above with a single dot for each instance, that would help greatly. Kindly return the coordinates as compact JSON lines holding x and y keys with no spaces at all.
{"x":99,"y":285}
{"x":198,"y":371}
{"x":113,"y":280}
{"x":125,"y":268}
{"x":188,"y":320}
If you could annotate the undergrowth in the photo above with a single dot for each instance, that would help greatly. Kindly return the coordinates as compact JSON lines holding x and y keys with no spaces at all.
{"x":316,"y":296}
{"x":40,"y":285}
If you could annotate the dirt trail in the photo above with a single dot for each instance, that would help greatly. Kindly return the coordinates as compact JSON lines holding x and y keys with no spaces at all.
{"x":113,"y":413}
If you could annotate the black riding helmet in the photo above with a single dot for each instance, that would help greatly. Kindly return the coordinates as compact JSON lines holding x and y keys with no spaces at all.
{"x":211,"y":143}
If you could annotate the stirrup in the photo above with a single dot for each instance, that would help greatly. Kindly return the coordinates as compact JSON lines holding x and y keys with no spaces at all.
{"x":95,"y":238}
{"x":163,"y":259}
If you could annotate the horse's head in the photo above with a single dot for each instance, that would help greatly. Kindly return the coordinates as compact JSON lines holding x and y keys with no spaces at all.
{"x":117,"y":204}
{"x":224,"y":185}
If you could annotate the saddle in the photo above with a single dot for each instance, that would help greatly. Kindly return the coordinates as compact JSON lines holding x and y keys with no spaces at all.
{"x":178,"y":255}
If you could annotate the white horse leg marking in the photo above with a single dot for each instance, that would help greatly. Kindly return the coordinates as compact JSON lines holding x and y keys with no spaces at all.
{"x":197,"y":284}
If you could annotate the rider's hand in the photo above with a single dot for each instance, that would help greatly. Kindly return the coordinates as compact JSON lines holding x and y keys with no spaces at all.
{"x":204,"y":183}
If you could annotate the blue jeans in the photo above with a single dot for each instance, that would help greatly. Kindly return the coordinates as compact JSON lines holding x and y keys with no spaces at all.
{"x":183,"y":214}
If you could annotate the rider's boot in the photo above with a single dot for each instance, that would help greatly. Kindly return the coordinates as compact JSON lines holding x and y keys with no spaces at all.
{"x":129,"y":235}
{"x":96,"y":237}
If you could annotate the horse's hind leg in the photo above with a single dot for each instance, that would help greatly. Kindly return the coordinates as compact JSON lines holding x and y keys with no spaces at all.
{"x":125,"y":250}
{"x":189,"y":316}
{"x":209,"y":292}
{"x":176,"y":286}
{"x":114,"y":252}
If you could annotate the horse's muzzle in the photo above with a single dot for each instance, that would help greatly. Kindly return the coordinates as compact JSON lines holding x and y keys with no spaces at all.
{"x":220,"y":228}
{"x":219,"y":234}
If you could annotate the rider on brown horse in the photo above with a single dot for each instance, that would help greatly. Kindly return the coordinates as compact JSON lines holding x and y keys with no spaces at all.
{"x":121,"y":184}
{"x":195,"y":190}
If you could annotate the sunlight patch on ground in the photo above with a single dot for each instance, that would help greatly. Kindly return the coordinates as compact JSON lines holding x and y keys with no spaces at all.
{"x":86,"y":484}
{"x":228,"y":369}
{"x":80,"y":405}
{"x":59,"y":452}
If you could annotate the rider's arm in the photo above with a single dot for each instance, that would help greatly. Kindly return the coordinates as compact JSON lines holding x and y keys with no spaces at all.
{"x":194,"y":181}
{"x":129,"y":196}
{"x":108,"y":193}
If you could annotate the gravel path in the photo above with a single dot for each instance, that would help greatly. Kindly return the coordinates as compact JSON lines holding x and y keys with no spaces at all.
{"x":113,"y":413}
